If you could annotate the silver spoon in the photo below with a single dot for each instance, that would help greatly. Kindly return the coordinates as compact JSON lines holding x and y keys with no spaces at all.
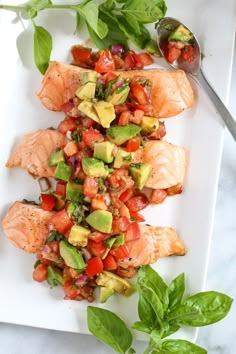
{"x":166,"y":26}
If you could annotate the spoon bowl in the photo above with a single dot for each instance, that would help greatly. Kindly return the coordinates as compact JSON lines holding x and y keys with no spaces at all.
{"x":164,"y":28}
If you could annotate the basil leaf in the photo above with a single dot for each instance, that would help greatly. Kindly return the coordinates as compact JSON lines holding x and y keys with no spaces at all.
{"x":176,"y":290}
{"x":181,"y":346}
{"x":140,"y":40}
{"x":89,"y":11}
{"x":168,"y":329}
{"x":146,"y":312}
{"x":115,"y":33}
{"x":109,"y":5}
{"x":42,"y":48}
{"x":142,"y":327}
{"x":148,"y":277}
{"x":78,"y":21}
{"x":152,"y":298}
{"x":132,"y":20}
{"x":146,"y":11}
{"x":201,"y":309}
{"x":109,"y":328}
{"x":131,"y":351}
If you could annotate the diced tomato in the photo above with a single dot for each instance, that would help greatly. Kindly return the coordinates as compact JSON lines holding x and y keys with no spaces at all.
{"x":91,"y":136}
{"x":187,"y":53}
{"x":70,"y":272}
{"x":139,"y":94}
{"x":97,"y":236}
{"x":137,"y":116}
{"x":136,"y":216}
{"x":158,"y":196}
{"x":120,"y":224}
{"x":126,"y":272}
{"x":133,"y":144}
{"x":146,"y":58}
{"x":109,"y":76}
{"x":67,"y":124}
{"x":137,"y":202}
{"x":119,"y":108}
{"x":70,"y":289}
{"x":124,"y":211}
{"x":120,"y":179}
{"x":125,"y":118}
{"x":61,"y":188}
{"x":40,"y":272}
{"x":62,"y":221}
{"x":94,"y":266}
{"x":132,"y":60}
{"x":120,"y":251}
{"x":87,"y":122}
{"x":48,"y":201}
{"x":173,"y":54}
{"x":133,"y":232}
{"x":81,"y":53}
{"x":96,"y":248}
{"x":71,"y":148}
{"x":105,"y":63}
{"x":66,"y":107}
{"x":54,"y":245}
{"x":109,"y":262}
{"x":99,"y":203}
{"x":90,"y":186}
{"x":126,"y":195}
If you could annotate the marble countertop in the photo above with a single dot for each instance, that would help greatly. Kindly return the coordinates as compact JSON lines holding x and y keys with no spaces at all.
{"x":217,"y":338}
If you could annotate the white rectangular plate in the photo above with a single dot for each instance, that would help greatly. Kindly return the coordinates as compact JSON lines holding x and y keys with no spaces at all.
{"x":199,"y":130}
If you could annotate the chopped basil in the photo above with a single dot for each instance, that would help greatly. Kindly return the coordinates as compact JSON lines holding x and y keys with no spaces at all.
{"x":54,"y":236}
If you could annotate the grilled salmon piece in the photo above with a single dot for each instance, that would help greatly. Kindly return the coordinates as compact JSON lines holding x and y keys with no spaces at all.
{"x":33,"y":152}
{"x":171,"y":91}
{"x":154,"y":242}
{"x":168,"y":163}
{"x":27,"y":226}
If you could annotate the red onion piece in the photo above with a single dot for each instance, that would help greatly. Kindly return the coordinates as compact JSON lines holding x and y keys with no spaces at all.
{"x":87,"y":255}
{"x":46,"y":249}
{"x":44,"y":184}
{"x":81,"y":280}
{"x":117,"y":49}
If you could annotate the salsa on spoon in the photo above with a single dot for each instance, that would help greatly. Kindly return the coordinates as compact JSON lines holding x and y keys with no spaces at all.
{"x":181,"y":49}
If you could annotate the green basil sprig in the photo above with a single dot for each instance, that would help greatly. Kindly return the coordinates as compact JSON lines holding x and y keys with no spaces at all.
{"x":108,"y":23}
{"x":162,"y":310}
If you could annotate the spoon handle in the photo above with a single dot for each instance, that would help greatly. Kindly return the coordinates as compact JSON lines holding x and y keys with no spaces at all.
{"x":219,"y":105}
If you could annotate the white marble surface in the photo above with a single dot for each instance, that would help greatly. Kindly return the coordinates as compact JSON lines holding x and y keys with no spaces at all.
{"x":218,"y":338}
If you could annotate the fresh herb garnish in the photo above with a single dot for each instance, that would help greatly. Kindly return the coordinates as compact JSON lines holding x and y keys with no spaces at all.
{"x":162,"y":310}
{"x":76,"y":135}
{"x":127,"y":158}
{"x":111,"y":22}
{"x":54,"y":236}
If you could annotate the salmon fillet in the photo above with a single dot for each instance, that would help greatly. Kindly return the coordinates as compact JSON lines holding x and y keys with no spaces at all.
{"x":168,"y":163}
{"x":154,"y":242}
{"x":33,"y":152}
{"x":27,"y":226}
{"x":171,"y":91}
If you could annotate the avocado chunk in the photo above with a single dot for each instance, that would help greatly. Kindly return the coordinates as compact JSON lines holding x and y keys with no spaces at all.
{"x":63,"y":171}
{"x":119,"y":134}
{"x":54,"y":276}
{"x":74,"y":192}
{"x":86,"y":91}
{"x":149,"y":124}
{"x":119,"y":97}
{"x":100,"y":220}
{"x":181,"y":34}
{"x":118,"y":284}
{"x":122,"y":158}
{"x":86,"y":76}
{"x":116,"y":240}
{"x":140,"y":173}
{"x":72,"y":257}
{"x":104,"y":151}
{"x":106,"y":113}
{"x":105,"y":293}
{"x":93,"y":167}
{"x":78,"y":236}
{"x":56,"y":156}
{"x":88,"y":109}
